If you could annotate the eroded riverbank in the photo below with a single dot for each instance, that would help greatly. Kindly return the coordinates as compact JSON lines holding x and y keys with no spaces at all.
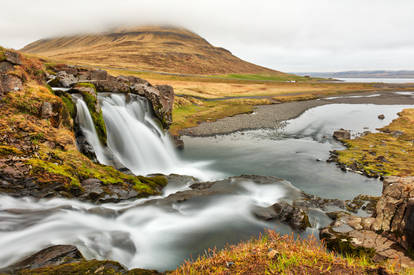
{"x":270,"y":116}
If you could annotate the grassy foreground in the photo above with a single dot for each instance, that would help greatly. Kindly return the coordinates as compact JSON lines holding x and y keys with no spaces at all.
{"x":275,"y":254}
{"x":389,"y":152}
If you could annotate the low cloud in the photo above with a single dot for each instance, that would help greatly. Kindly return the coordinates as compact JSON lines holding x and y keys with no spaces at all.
{"x":295,"y":35}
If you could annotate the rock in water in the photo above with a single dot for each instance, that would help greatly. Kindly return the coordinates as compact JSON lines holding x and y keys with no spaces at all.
{"x":381,"y":116}
{"x":342,"y":134}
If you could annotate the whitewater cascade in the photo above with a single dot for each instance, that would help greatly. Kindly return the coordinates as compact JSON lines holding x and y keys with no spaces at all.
{"x":135,"y":140}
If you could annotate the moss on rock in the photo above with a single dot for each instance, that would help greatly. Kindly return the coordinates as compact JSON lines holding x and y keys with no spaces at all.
{"x":51,"y":159}
{"x":9,"y":150}
{"x":389,"y":152}
{"x":88,"y":92}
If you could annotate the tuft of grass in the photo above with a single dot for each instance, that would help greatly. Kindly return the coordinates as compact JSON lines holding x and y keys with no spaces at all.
{"x":276,"y":254}
{"x":9,"y":150}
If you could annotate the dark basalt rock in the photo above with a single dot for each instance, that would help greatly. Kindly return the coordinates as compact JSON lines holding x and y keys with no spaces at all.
{"x":51,"y":256}
{"x":67,"y":259}
{"x":387,"y":234}
{"x":295,"y":217}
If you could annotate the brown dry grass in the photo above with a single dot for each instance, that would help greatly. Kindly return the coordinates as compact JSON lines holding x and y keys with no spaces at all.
{"x":275,"y":254}
{"x":153,"y":48}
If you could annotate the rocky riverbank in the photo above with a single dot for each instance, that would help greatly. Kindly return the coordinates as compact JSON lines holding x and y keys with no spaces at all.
{"x":39,"y":153}
{"x":272,"y":116}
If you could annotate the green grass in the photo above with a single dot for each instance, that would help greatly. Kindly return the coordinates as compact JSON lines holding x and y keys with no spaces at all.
{"x":260,"y":77}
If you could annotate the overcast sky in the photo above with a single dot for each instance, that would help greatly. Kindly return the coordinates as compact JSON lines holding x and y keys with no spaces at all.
{"x":288,"y":35}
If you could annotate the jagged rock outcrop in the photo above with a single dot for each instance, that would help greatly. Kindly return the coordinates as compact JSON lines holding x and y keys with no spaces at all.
{"x":9,"y":81}
{"x":161,"y":97}
{"x":387,"y":234}
{"x":395,"y":210}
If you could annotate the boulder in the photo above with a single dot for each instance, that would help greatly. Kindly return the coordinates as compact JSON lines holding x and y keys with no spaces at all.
{"x":161,"y":99}
{"x":51,"y":256}
{"x":13,"y":57}
{"x":295,"y":217}
{"x":394,"y":209}
{"x":112,"y":85}
{"x":381,"y":116}
{"x":46,"y":111}
{"x":63,"y":79}
{"x":98,"y":75}
{"x":342,"y":134}
{"x":6,"y":66}
{"x":8,"y":83}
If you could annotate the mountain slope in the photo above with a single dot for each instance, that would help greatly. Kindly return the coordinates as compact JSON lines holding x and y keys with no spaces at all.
{"x":163,"y":49}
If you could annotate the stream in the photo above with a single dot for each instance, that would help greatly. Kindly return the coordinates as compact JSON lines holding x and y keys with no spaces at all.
{"x":147,"y":235}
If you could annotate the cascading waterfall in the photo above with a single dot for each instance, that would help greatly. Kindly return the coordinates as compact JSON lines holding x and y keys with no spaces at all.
{"x":134,"y":138}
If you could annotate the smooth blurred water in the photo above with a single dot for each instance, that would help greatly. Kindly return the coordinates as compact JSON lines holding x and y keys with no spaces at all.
{"x":298,"y":150}
{"x":138,"y":234}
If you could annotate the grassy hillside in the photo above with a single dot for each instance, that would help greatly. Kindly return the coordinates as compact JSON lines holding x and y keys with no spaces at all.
{"x":163,"y":49}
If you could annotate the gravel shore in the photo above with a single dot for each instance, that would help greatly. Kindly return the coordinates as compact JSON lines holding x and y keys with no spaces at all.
{"x":269,"y":116}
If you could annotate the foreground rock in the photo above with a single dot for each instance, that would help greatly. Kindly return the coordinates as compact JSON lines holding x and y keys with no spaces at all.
{"x":67,"y":259}
{"x":387,"y":234}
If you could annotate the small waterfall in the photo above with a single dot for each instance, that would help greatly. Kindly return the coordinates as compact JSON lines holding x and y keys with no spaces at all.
{"x":87,"y":126}
{"x":134,"y":138}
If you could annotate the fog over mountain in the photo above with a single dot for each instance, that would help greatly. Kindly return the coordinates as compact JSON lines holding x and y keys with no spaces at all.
{"x":295,"y":35}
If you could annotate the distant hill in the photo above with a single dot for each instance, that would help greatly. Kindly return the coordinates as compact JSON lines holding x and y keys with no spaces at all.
{"x":162,"y":49}
{"x":362,"y":74}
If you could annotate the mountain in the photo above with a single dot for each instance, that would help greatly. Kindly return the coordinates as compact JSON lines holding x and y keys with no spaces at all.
{"x":161,"y":49}
{"x":362,"y":74}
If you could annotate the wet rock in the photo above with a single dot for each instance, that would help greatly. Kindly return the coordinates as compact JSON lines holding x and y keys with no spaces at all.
{"x":312,"y":201}
{"x":84,"y":146}
{"x":381,"y":116}
{"x":342,"y":134}
{"x":295,"y":217}
{"x":178,"y":142}
{"x":161,"y":98}
{"x":362,"y":202}
{"x":51,"y":256}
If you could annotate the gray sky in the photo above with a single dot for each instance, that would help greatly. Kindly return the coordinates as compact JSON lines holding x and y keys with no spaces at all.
{"x":288,"y":35}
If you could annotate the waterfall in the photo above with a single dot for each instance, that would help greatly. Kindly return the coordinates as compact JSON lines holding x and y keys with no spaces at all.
{"x":87,"y":126}
{"x":135,"y":139}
